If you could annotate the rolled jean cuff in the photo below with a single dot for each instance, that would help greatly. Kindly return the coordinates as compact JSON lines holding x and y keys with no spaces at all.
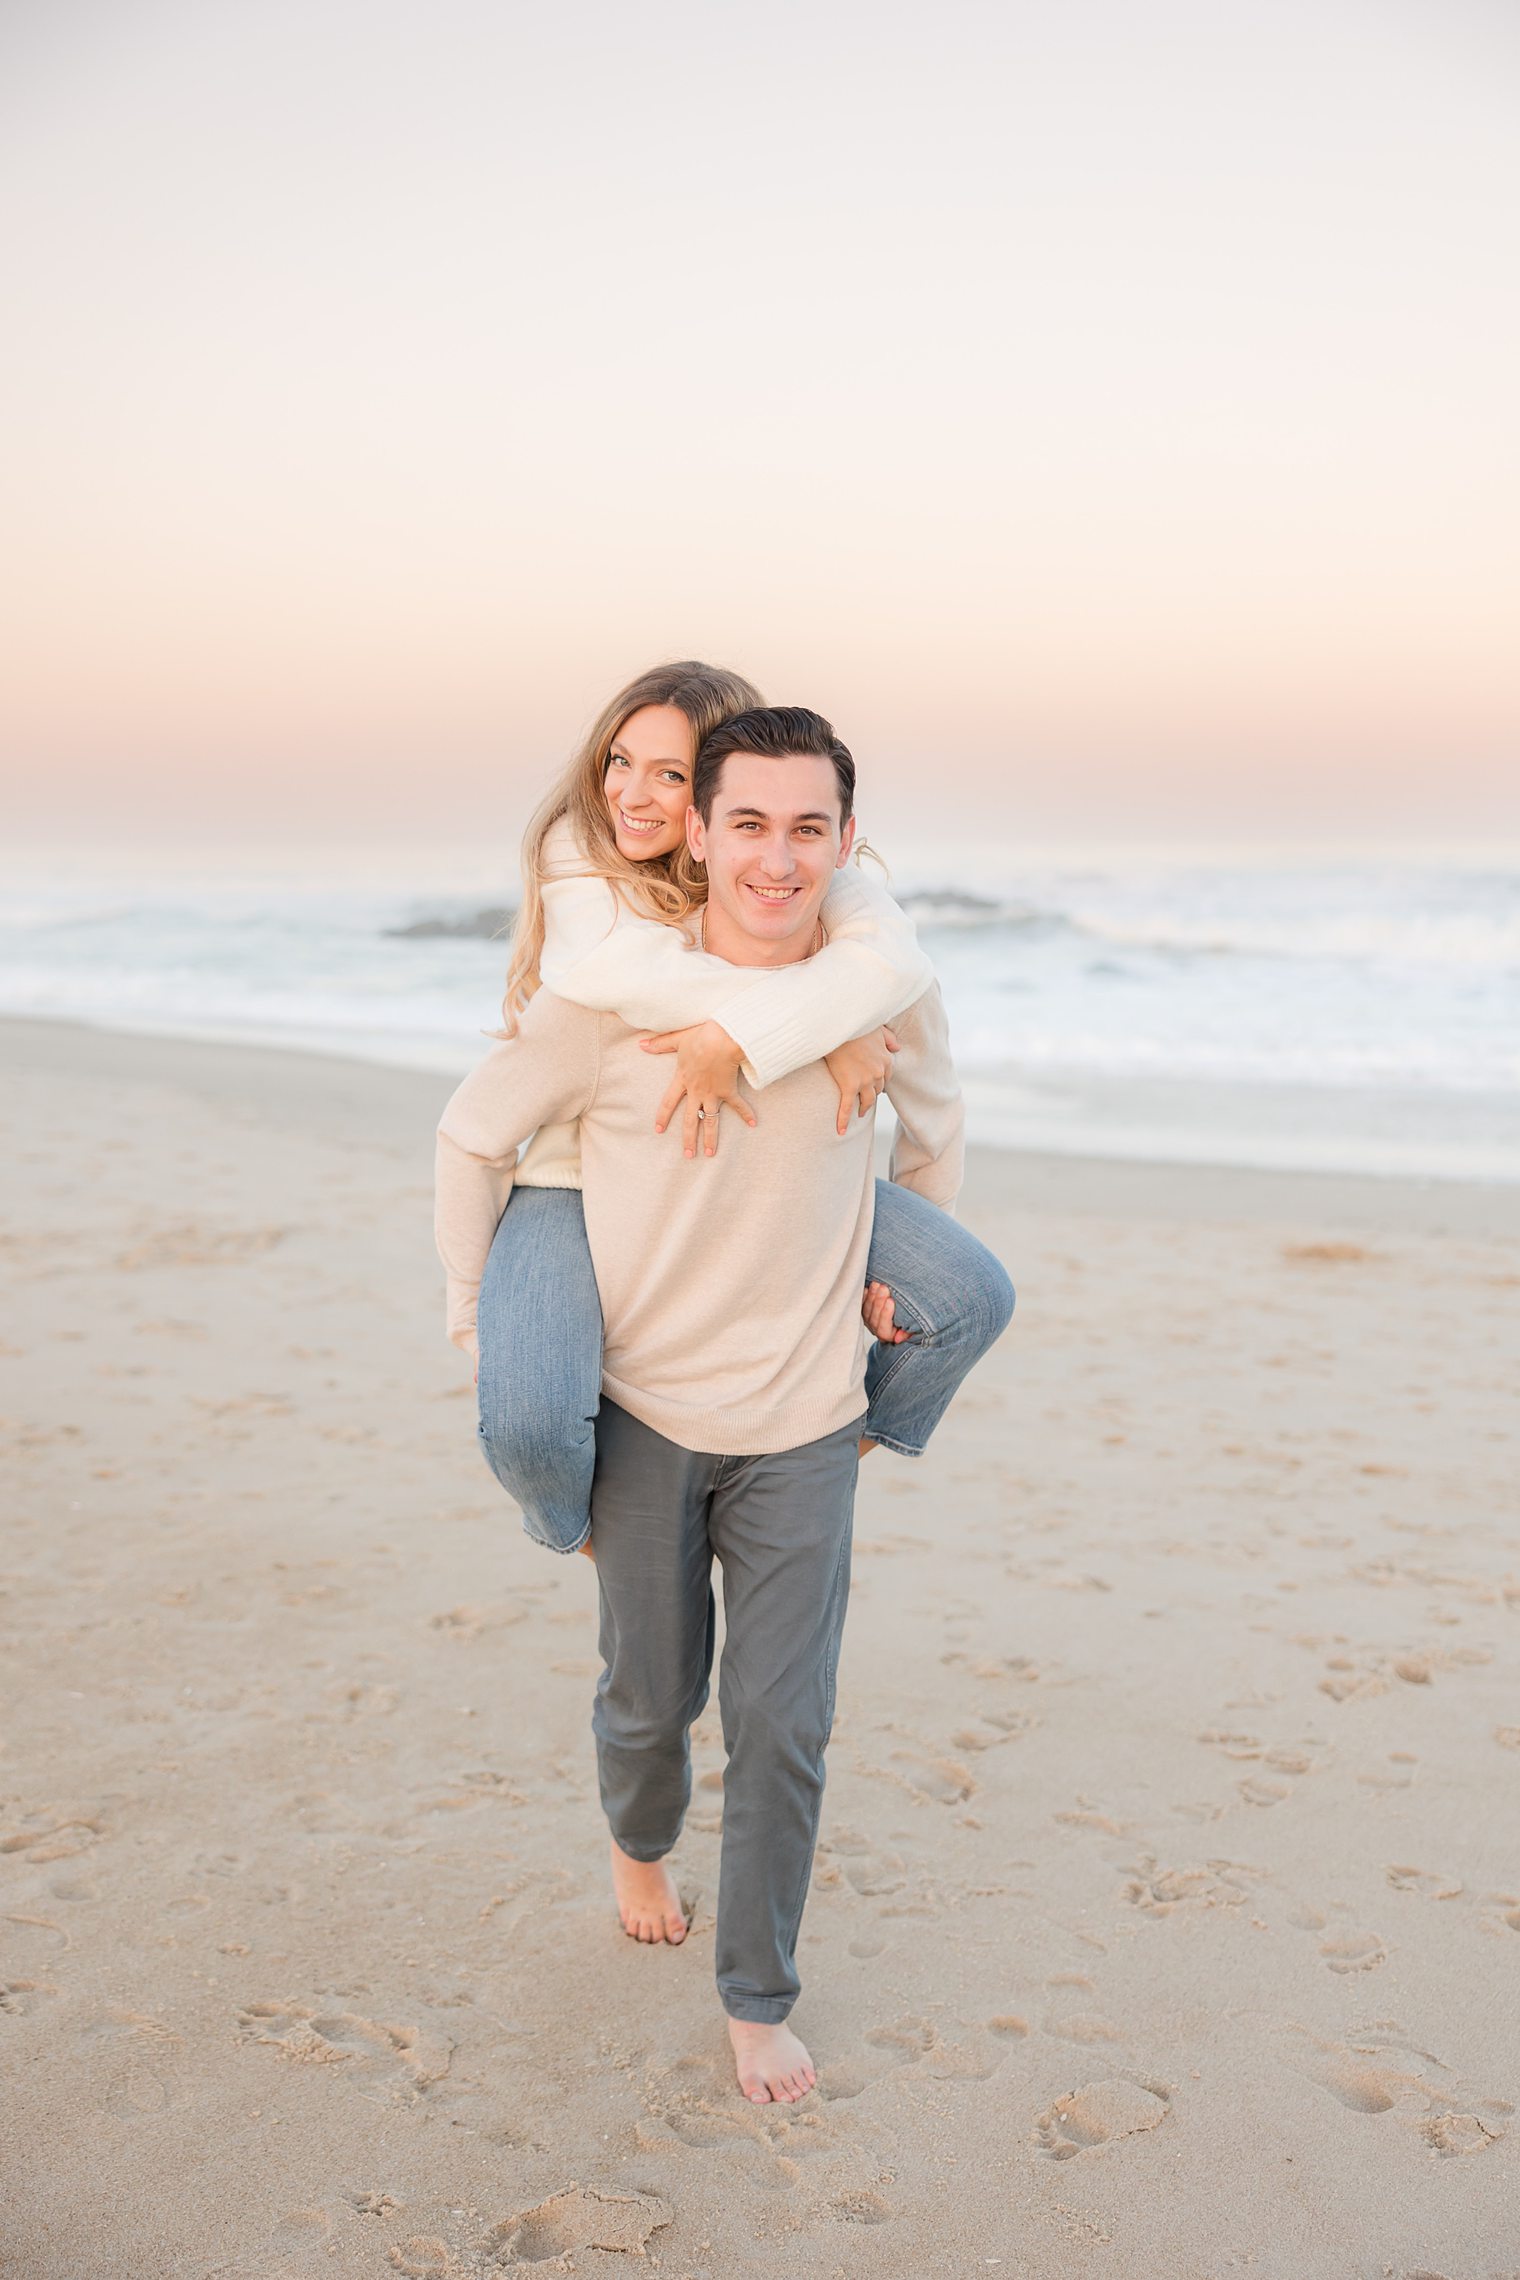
{"x":546,"y":1543}
{"x":885,"y":1441}
{"x":758,"y":2010}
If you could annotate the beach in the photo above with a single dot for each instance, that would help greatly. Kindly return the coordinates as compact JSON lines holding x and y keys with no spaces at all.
{"x":1167,"y":1908}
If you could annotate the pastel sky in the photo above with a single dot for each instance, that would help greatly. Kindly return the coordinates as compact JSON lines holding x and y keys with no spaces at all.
{"x":1107,"y":414}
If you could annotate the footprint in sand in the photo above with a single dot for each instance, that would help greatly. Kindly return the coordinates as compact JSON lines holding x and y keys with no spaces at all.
{"x":886,"y":2049}
{"x":1427,"y":1882}
{"x":941,"y":1780}
{"x":1085,"y":1816}
{"x":1379,"y":2071}
{"x":1264,"y":1793}
{"x":1099,"y":2115}
{"x":467,"y":1623}
{"x":1232,"y":1745}
{"x":1458,"y":2133}
{"x":50,"y":1834}
{"x":1399,"y":1774}
{"x":375,"y":2204}
{"x":34,"y":1942}
{"x":579,"y":2217}
{"x":863,"y":2208}
{"x":1156,"y":1891}
{"x":1354,"y":1951}
{"x":141,"y":2056}
{"x":404,"y":2056}
{"x":997,"y":1727}
{"x":696,"y":2100}
{"x":916,"y":2043}
{"x":867,"y":1871}
{"x":18,"y":1997}
{"x":1069,"y":2018}
{"x":187,"y":1244}
{"x":423,"y":2257}
{"x":1343,"y":1682}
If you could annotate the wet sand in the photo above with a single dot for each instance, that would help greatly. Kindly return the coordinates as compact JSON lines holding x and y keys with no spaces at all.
{"x":1167,"y":1916}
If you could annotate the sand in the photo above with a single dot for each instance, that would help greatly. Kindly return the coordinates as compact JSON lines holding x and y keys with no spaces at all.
{"x":1166,"y":1921}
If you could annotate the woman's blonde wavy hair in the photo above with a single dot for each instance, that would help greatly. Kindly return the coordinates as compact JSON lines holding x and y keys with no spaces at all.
{"x":668,"y":887}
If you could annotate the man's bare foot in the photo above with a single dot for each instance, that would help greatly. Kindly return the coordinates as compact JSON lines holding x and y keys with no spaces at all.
{"x":772,"y":2063}
{"x":647,"y":1899}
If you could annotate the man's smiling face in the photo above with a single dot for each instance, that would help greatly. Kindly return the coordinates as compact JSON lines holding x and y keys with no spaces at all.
{"x":771,"y":845}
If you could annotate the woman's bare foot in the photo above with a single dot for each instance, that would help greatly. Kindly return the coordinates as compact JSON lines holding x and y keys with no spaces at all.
{"x":587,"y":1553}
{"x":647,"y":1899}
{"x":772,"y":2062}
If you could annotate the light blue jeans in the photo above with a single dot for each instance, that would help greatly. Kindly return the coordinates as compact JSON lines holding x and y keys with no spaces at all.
{"x":540,"y":1331}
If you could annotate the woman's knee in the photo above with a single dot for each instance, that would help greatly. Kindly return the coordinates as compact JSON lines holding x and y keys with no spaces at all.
{"x":983,"y":1304}
{"x":522,"y":1447}
{"x":995,"y":1297}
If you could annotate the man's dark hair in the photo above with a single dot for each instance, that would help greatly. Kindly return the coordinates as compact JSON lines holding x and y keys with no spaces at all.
{"x":774,"y":731}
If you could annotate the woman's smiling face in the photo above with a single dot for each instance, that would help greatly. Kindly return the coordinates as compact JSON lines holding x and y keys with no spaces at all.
{"x":648,"y":782}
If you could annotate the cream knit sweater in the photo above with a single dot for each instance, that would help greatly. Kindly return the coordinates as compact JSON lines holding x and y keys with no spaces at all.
{"x":731,"y":1288}
{"x":600,"y":953}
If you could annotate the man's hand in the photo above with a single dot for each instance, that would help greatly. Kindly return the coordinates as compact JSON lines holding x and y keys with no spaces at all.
{"x":861,"y":1068}
{"x":879,"y":1316}
{"x":707,"y":1078}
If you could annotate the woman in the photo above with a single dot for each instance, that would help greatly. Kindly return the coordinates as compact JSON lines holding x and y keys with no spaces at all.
{"x":609,"y":887}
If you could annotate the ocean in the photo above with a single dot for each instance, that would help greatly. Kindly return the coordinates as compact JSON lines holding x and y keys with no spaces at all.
{"x":1348,"y":1014}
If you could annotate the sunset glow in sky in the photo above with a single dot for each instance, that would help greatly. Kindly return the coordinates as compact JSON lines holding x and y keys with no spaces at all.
{"x":1107,"y":415}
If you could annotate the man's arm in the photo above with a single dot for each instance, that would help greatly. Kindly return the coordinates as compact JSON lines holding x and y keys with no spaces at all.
{"x":929,"y":1150}
{"x":546,"y":1074}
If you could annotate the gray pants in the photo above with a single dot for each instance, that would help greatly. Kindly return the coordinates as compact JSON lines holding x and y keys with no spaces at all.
{"x":780,"y":1529}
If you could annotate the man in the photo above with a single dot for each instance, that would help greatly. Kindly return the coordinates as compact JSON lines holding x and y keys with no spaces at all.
{"x":733,"y":1371}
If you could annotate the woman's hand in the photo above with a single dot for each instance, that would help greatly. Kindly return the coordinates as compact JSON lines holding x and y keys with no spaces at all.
{"x":879,"y":1316}
{"x":860,"y":1068}
{"x":707,"y":1078}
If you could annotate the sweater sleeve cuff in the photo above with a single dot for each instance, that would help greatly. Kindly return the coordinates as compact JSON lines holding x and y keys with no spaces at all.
{"x":770,"y":1048}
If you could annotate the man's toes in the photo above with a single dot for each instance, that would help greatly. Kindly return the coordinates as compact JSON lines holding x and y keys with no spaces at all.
{"x":675,"y":1929}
